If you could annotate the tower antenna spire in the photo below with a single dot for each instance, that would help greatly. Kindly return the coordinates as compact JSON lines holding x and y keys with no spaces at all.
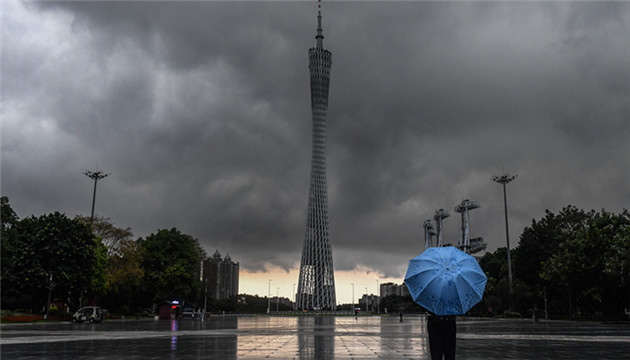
{"x":319,"y":36}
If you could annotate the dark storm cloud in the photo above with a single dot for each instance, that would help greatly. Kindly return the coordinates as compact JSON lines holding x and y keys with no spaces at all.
{"x":201,"y":113}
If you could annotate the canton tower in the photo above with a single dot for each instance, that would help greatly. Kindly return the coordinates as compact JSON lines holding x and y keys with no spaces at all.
{"x":316,"y":286}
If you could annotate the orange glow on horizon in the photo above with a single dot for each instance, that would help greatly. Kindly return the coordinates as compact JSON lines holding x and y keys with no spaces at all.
{"x":284,"y":283}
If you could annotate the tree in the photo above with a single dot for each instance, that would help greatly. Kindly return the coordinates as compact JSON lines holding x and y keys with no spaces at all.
{"x":496,"y":297}
{"x":396,"y":303}
{"x":8,"y":217}
{"x":591,"y":266}
{"x":543,"y":239}
{"x":124,"y":276}
{"x":248,"y":304}
{"x":124,"y":270}
{"x":171,"y":265}
{"x":111,"y":235}
{"x":538,"y":243}
{"x":37,"y":247}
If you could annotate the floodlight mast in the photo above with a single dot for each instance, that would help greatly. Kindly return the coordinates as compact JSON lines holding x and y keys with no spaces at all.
{"x":96,"y":176}
{"x":503,"y":180}
{"x":439,"y":217}
{"x":464,"y":208}
{"x":429,"y":231}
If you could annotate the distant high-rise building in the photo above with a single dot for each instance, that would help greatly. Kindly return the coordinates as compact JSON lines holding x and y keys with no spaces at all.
{"x":316,"y":285}
{"x":221,"y":277}
{"x":388,"y":289}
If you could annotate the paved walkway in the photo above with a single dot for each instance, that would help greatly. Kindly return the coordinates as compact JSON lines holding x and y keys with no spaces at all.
{"x":320,"y":337}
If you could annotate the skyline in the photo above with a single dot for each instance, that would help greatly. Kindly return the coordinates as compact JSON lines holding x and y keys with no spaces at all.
{"x":199,"y":111}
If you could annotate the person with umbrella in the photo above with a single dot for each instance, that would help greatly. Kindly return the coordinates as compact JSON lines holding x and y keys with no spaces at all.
{"x":442,"y":334}
{"x":447,"y":282}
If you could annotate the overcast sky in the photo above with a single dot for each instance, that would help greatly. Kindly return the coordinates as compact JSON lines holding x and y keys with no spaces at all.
{"x":201,"y":113}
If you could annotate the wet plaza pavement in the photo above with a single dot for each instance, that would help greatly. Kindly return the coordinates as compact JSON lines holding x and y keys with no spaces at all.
{"x":307,"y":337}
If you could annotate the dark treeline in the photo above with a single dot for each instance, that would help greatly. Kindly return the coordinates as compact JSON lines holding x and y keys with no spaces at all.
{"x":574,"y":264}
{"x":94,"y":262}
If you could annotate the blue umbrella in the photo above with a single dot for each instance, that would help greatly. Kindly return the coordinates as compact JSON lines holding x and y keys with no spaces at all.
{"x":445,"y":280}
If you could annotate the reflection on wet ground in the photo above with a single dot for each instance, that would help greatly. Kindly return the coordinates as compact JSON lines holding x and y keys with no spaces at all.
{"x":310,"y":337}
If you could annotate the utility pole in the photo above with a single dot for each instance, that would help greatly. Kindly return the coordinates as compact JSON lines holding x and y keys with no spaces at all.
{"x":378,"y":299}
{"x":50,"y":286}
{"x":352,"y":296}
{"x":96,"y":176}
{"x":503,"y":180}
{"x":205,"y":297}
{"x":269,"y":297}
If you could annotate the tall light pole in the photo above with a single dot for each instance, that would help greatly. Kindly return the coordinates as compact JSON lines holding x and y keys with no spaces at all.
{"x":50,"y":287}
{"x":503,"y":180}
{"x":269,"y":297}
{"x":378,"y":302}
{"x":205,"y":298}
{"x":352,"y":296}
{"x":96,"y":176}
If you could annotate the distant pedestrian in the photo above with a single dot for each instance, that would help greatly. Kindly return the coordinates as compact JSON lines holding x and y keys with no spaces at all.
{"x":401,"y":316}
{"x":442,"y":334}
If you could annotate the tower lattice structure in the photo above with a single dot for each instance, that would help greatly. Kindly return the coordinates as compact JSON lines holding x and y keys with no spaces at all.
{"x":316,"y":285}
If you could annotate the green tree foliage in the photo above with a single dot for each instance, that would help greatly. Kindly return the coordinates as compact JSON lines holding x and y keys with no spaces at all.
{"x":579,"y":262}
{"x":8,"y":217}
{"x":35,"y":247}
{"x":245,"y":303}
{"x":543,"y":239}
{"x":171,"y":265}
{"x":591,"y":266}
{"x":124,"y":277}
{"x":397,"y":303}
{"x":251,"y":303}
{"x":111,"y":235}
{"x":496,"y":299}
{"x":123,"y":268}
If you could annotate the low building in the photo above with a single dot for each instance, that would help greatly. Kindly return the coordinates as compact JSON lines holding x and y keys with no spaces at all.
{"x":393,"y":289}
{"x":369,"y":302}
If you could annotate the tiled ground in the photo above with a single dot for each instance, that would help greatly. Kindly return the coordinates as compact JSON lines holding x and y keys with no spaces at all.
{"x":320,"y":337}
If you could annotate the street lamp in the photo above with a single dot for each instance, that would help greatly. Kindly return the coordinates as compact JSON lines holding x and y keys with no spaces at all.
{"x":352,"y":296}
{"x":50,"y":287}
{"x":503,"y":180}
{"x":378,"y":303}
{"x":96,"y":176}
{"x":205,"y":298}
{"x":269,"y":297}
